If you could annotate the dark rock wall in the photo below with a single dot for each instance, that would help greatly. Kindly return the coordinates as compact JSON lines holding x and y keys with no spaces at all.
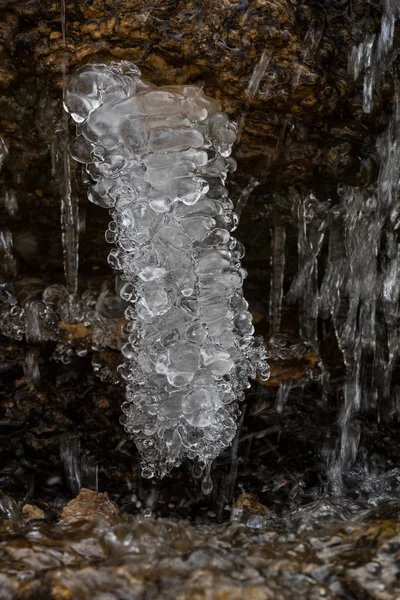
{"x":301,"y":123}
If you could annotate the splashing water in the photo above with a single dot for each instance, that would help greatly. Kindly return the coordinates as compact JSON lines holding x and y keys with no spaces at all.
{"x":159,"y":158}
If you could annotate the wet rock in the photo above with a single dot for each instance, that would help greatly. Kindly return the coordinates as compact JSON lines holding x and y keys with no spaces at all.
{"x":290,"y":359}
{"x":291,"y":370}
{"x":145,"y":558}
{"x":278,"y":68}
{"x":89,"y":505}
{"x":32,"y":512}
{"x":5,"y":525}
{"x":248,"y":509}
{"x":226,"y":593}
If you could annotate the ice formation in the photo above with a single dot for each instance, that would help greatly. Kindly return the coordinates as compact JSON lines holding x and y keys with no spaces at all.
{"x":373,"y":56}
{"x":159,"y":157}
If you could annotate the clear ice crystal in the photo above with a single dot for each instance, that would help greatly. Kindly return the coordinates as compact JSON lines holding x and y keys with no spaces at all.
{"x":159,"y":158}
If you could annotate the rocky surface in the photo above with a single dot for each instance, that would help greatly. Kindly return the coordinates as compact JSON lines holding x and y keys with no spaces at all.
{"x":302,"y":82}
{"x":89,"y":505}
{"x":322,"y":554}
{"x":278,"y":68}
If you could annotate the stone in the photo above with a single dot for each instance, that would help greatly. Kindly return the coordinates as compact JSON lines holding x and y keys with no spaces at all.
{"x":32,"y":512}
{"x":89,"y":505}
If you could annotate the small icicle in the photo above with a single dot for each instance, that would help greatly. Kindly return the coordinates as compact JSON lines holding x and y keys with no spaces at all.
{"x":254,"y":84}
{"x":69,"y":201}
{"x":31,"y":368}
{"x":3,"y":152}
{"x":277,"y":276}
{"x":8,"y":260}
{"x":207,"y":483}
{"x":245,"y":194}
{"x":53,"y":158}
{"x":10,"y":508}
{"x":70,"y":453}
{"x":311,"y":43}
{"x":282,"y":396}
{"x":11,"y":202}
{"x":372,"y":56}
{"x":258,"y":74}
{"x":197,"y":469}
{"x":312,"y":223}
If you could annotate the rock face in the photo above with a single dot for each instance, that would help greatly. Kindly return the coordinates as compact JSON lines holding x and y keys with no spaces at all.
{"x":279,"y":68}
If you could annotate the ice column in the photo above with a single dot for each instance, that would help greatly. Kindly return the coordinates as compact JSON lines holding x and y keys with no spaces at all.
{"x":159,"y":157}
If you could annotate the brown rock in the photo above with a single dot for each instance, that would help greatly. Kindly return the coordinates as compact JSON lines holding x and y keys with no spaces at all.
{"x":251,"y":504}
{"x":290,"y":371}
{"x":31,"y":512}
{"x":89,"y":505}
{"x":227,"y":593}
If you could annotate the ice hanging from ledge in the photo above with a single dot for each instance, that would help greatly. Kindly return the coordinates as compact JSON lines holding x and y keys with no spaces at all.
{"x":373,"y":56}
{"x":159,"y":157}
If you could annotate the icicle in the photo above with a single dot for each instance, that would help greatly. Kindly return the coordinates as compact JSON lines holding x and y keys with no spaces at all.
{"x":69,"y":201}
{"x":7,"y":259}
{"x":70,"y":453}
{"x":277,"y":276}
{"x":245,"y":195}
{"x":159,"y":158}
{"x":282,"y":396}
{"x":11,"y":202}
{"x":311,"y":43}
{"x":312,"y":220}
{"x":31,"y":367}
{"x":254,"y":84}
{"x":207,"y":483}
{"x":3,"y":152}
{"x":258,"y":74}
{"x":372,"y":56}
